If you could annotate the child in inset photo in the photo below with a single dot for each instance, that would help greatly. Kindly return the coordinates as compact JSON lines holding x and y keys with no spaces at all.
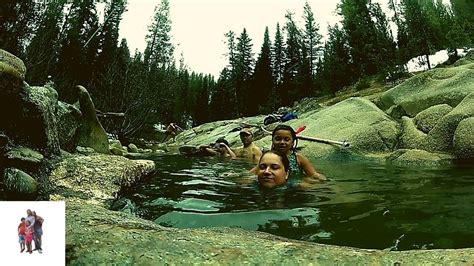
{"x":21,"y":234}
{"x":28,"y":236}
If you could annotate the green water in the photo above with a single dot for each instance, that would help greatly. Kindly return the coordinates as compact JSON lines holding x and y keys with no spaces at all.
{"x":365,"y":205}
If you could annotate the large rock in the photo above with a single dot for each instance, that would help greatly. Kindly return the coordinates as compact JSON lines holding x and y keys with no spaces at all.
{"x":428,"y":118}
{"x":411,"y":137}
{"x":39,"y":128}
{"x":464,"y":139}
{"x":440,"y":138}
{"x":356,"y":120}
{"x":97,"y":177}
{"x":116,"y":148}
{"x":437,"y":86}
{"x":11,"y":65}
{"x":24,"y":158}
{"x":92,"y":134}
{"x":210,"y":132}
{"x":27,"y":114}
{"x":133,"y":148}
{"x":19,"y":182}
{"x":68,"y":120}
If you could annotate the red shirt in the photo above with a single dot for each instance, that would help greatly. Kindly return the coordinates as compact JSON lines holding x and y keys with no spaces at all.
{"x":21,"y":229}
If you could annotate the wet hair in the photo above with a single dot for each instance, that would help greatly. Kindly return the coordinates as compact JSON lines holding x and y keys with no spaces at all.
{"x":283,"y":157}
{"x":286,"y":128}
{"x":222,"y":140}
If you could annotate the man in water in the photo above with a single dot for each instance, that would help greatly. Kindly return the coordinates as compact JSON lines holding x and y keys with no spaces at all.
{"x":249,"y":149}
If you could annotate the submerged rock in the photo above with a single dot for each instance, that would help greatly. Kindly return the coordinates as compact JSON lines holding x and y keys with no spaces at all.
{"x":251,"y":220}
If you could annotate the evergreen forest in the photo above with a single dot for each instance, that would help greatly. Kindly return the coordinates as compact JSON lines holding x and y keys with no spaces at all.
{"x":65,"y":43}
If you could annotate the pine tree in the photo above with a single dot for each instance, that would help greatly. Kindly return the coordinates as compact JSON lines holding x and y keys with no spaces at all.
{"x":221,"y":106}
{"x":335,"y":70}
{"x":17,"y":24}
{"x":385,"y":50}
{"x":463,"y":10}
{"x":278,"y":63}
{"x":109,"y":71}
{"x":403,"y":52}
{"x":262,"y":80}
{"x":243,"y":72}
{"x":159,"y":49}
{"x":289,"y":90}
{"x":311,"y":37}
{"x":422,"y":36}
{"x":43,"y":51}
{"x":76,"y":59}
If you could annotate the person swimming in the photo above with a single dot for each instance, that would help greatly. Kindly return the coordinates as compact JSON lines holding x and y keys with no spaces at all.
{"x":284,"y":140}
{"x":272,"y":169}
{"x":220,"y":147}
{"x":249,"y":150}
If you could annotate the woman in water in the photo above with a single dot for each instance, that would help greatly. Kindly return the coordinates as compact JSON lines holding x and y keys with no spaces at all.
{"x":284,"y":140}
{"x":272,"y":169}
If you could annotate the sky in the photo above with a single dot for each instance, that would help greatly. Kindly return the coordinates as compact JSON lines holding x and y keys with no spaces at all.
{"x":54,"y":226}
{"x":198,"y":26}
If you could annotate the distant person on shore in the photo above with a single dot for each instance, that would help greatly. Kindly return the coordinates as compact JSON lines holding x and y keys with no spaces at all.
{"x":21,"y":234}
{"x":220,"y":147}
{"x":171,"y":130}
{"x":249,"y":149}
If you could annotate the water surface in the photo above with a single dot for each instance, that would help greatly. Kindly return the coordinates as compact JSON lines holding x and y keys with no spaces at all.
{"x":365,"y":205}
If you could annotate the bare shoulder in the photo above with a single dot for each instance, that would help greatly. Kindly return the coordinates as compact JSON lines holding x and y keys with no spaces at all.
{"x":256,"y":149}
{"x":301,"y":158}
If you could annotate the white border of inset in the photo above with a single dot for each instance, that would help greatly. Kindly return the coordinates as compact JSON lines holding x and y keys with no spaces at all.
{"x":54,"y":233}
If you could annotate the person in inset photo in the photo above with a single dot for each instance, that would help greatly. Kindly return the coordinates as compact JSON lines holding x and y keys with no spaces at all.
{"x":29,"y":236}
{"x":21,"y":234}
{"x":38,"y":232}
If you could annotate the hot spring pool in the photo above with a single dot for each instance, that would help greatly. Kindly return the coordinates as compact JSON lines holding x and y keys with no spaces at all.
{"x":364,"y":205}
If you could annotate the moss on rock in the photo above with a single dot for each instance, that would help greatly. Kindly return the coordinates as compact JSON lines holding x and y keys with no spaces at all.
{"x":96,"y":177}
{"x":437,"y":86}
{"x":464,"y":139}
{"x":428,"y":118}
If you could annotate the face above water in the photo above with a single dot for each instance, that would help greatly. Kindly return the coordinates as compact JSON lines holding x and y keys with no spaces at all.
{"x":271,"y":171}
{"x":246,"y":139}
{"x":282,"y":141}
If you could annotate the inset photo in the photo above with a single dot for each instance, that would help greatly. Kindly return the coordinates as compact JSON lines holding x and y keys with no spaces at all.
{"x":33,"y":232}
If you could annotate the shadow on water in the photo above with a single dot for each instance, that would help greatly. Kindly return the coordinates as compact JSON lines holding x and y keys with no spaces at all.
{"x":366,"y":205}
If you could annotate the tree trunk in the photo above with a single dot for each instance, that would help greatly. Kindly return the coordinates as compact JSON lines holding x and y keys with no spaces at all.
{"x":428,"y":61}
